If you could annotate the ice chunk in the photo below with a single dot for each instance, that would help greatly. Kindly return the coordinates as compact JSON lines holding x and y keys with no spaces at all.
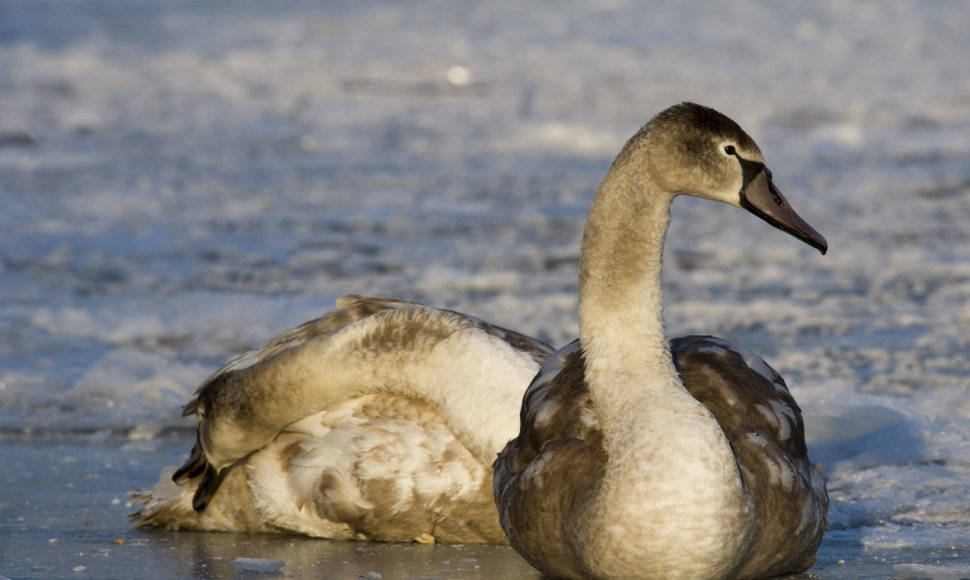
{"x":258,"y":564}
{"x":930,"y":571}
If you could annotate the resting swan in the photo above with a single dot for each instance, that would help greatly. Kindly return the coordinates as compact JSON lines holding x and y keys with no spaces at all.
{"x":378,"y":421}
{"x":642,"y":459}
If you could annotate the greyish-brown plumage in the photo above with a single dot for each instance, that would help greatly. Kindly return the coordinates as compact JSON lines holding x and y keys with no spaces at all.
{"x":377,"y":421}
{"x":639,"y":458}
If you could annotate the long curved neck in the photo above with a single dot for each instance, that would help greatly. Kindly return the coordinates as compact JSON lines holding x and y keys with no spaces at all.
{"x":621,"y":298}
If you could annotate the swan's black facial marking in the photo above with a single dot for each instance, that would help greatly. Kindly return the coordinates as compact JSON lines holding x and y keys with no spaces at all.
{"x":759,"y":196}
{"x":749,"y":171}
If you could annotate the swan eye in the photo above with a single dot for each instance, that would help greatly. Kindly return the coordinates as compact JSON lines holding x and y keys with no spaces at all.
{"x":730,"y":150}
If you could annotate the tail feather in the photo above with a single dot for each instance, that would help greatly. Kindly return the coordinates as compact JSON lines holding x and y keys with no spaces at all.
{"x":169,"y":506}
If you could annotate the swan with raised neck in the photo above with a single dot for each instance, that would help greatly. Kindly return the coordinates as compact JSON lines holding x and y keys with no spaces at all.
{"x":622,"y":469}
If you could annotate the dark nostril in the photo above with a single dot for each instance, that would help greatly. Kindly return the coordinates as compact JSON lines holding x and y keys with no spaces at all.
{"x":775,"y":194}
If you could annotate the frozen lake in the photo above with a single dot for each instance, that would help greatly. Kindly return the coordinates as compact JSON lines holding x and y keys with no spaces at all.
{"x":181,"y":180}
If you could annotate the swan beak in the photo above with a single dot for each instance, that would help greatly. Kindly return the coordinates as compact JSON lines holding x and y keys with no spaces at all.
{"x":760,"y":196}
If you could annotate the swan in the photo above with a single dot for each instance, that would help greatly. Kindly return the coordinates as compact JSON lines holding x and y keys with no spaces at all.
{"x":639,"y":458}
{"x":378,"y":421}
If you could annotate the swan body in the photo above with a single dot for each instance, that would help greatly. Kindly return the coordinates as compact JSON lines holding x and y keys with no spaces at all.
{"x":377,"y":421}
{"x":643,"y":458}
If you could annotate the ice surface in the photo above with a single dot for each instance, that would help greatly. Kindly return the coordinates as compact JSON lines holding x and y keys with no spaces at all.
{"x":174,"y":190}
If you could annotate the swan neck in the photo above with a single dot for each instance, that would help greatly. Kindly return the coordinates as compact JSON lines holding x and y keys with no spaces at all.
{"x":620,"y":287}
{"x":630,"y":371}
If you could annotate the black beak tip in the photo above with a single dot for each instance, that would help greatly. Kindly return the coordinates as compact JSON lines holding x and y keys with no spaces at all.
{"x":806,"y":234}
{"x":819,"y":244}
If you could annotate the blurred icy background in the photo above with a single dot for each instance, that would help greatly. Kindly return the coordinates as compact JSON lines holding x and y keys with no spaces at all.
{"x":181,"y":180}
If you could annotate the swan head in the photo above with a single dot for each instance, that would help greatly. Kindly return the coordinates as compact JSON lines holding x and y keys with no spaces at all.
{"x":228,"y":426}
{"x":702,"y":153}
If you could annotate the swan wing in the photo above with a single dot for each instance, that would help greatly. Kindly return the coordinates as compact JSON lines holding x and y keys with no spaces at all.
{"x":543,"y":477}
{"x":764,"y":427}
